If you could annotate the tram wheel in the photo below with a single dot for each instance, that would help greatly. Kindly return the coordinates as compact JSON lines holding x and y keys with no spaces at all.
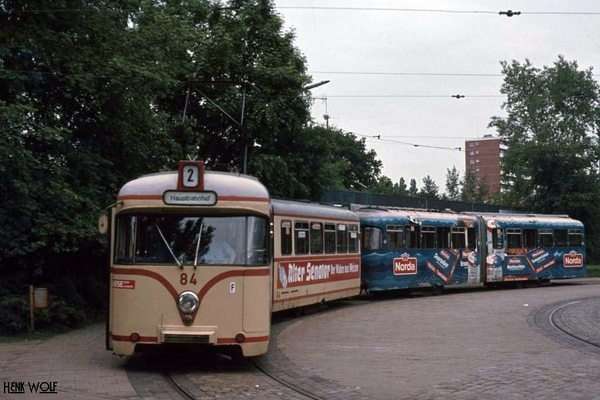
{"x":437,"y":290}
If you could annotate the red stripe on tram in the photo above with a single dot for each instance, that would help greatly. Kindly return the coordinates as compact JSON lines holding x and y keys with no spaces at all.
{"x":148,"y":274}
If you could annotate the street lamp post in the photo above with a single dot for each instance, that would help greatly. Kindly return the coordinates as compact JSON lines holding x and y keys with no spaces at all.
{"x":314,"y":85}
{"x":240,"y":124}
{"x":326,"y":115}
{"x":245,"y":85}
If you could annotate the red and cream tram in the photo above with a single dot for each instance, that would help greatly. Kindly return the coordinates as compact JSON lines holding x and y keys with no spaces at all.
{"x":203,"y":258}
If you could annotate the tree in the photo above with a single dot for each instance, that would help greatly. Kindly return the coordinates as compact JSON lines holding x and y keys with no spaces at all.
{"x":469,"y":187}
{"x":322,"y":159}
{"x":93,"y":94}
{"x":430,"y":188}
{"x":108,"y":91}
{"x":482,"y":194}
{"x":401,"y":189}
{"x":413,"y":191}
{"x":384,"y":185}
{"x":453,"y":184}
{"x":551,"y":128}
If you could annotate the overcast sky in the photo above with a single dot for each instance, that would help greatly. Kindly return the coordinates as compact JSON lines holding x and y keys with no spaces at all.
{"x":393,"y":70}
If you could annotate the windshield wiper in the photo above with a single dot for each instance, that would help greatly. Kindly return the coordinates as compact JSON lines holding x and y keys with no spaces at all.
{"x":198,"y":244}
{"x":168,"y":247}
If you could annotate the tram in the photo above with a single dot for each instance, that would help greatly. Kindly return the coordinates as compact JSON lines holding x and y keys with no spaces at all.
{"x":204,"y":258}
{"x":531,"y":247}
{"x":409,"y":248}
{"x":190,"y":261}
{"x":316,"y":254}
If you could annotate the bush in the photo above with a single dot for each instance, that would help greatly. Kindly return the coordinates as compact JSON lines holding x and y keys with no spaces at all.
{"x":14,"y":314}
{"x":67,"y":308}
{"x":59,"y":316}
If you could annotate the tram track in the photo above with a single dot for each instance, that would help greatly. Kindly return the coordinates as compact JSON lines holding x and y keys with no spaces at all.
{"x":178,"y":386}
{"x":558,"y":322}
{"x":189,"y":391}
{"x":182,"y":375}
{"x":574,"y":323}
{"x":190,"y":376}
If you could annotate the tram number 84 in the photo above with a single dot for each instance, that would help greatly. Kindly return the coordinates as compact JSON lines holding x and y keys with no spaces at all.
{"x":183,"y":279}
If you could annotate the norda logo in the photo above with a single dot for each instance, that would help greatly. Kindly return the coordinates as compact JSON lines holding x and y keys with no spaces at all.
{"x":405,"y":265}
{"x":573,"y":260}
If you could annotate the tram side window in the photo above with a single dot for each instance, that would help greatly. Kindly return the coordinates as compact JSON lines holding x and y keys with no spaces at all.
{"x":286,"y":238}
{"x":471,"y":239}
{"x":443,"y":237}
{"x":529,"y":238}
{"x":412,"y":234}
{"x":560,"y":238}
{"x":372,"y":238}
{"x":329,"y":238}
{"x":545,"y":238}
{"x":575,"y":238}
{"x":514,"y":241}
{"x":459,"y":239}
{"x":124,"y":245}
{"x":428,"y":237}
{"x":342,"y":238}
{"x":258,"y":241}
{"x":395,"y":237}
{"x":316,"y":238}
{"x":301,"y":236}
{"x":353,"y":238}
{"x":498,"y":238}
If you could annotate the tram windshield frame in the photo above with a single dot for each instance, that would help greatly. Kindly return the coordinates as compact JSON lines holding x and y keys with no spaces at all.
{"x":186,"y":239}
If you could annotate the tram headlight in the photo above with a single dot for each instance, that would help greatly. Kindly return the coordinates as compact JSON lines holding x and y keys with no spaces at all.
{"x":188,"y":302}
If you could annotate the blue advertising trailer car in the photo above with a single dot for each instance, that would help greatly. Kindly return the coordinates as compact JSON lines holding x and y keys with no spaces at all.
{"x":412,"y":248}
{"x":531,"y":247}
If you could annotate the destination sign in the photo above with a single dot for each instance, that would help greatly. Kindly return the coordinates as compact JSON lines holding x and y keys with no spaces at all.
{"x":184,"y":198}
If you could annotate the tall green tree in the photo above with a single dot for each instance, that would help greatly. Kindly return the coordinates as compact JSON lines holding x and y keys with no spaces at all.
{"x":453,"y":184}
{"x":384,"y":185}
{"x":412,"y":189}
{"x":430,"y":189}
{"x":468,"y":192}
{"x":93,"y":94}
{"x":402,"y":189}
{"x":552,"y":128}
{"x":482,"y":194}
{"x":322,"y":159}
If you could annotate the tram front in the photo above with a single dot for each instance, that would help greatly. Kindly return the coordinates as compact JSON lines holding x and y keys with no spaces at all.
{"x":190,"y":262}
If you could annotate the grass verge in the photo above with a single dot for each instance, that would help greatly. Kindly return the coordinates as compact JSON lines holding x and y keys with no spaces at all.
{"x":593,"y":271}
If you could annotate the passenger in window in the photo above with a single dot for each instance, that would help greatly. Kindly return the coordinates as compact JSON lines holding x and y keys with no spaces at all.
{"x":219,"y":251}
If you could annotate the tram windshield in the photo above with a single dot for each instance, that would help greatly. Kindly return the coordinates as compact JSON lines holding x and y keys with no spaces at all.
{"x":176,"y":239}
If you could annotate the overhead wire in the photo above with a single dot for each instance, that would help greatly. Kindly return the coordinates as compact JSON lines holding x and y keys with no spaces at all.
{"x":378,"y":137}
{"x":330,"y":8}
{"x":445,"y":11}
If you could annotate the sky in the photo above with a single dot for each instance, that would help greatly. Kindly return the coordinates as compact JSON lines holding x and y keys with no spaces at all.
{"x":394,"y":65}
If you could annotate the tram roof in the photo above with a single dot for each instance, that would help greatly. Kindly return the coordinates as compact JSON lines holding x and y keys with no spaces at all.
{"x":412,"y":215}
{"x":311,"y":210}
{"x":223,"y":183}
{"x":532,"y":219}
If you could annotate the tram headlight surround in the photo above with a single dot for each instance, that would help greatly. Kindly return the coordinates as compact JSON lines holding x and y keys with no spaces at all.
{"x":188,"y":302}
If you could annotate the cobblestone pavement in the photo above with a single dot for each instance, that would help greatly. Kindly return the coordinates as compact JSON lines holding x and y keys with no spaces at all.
{"x":463,"y":345}
{"x":76,"y":361}
{"x":475,"y":344}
